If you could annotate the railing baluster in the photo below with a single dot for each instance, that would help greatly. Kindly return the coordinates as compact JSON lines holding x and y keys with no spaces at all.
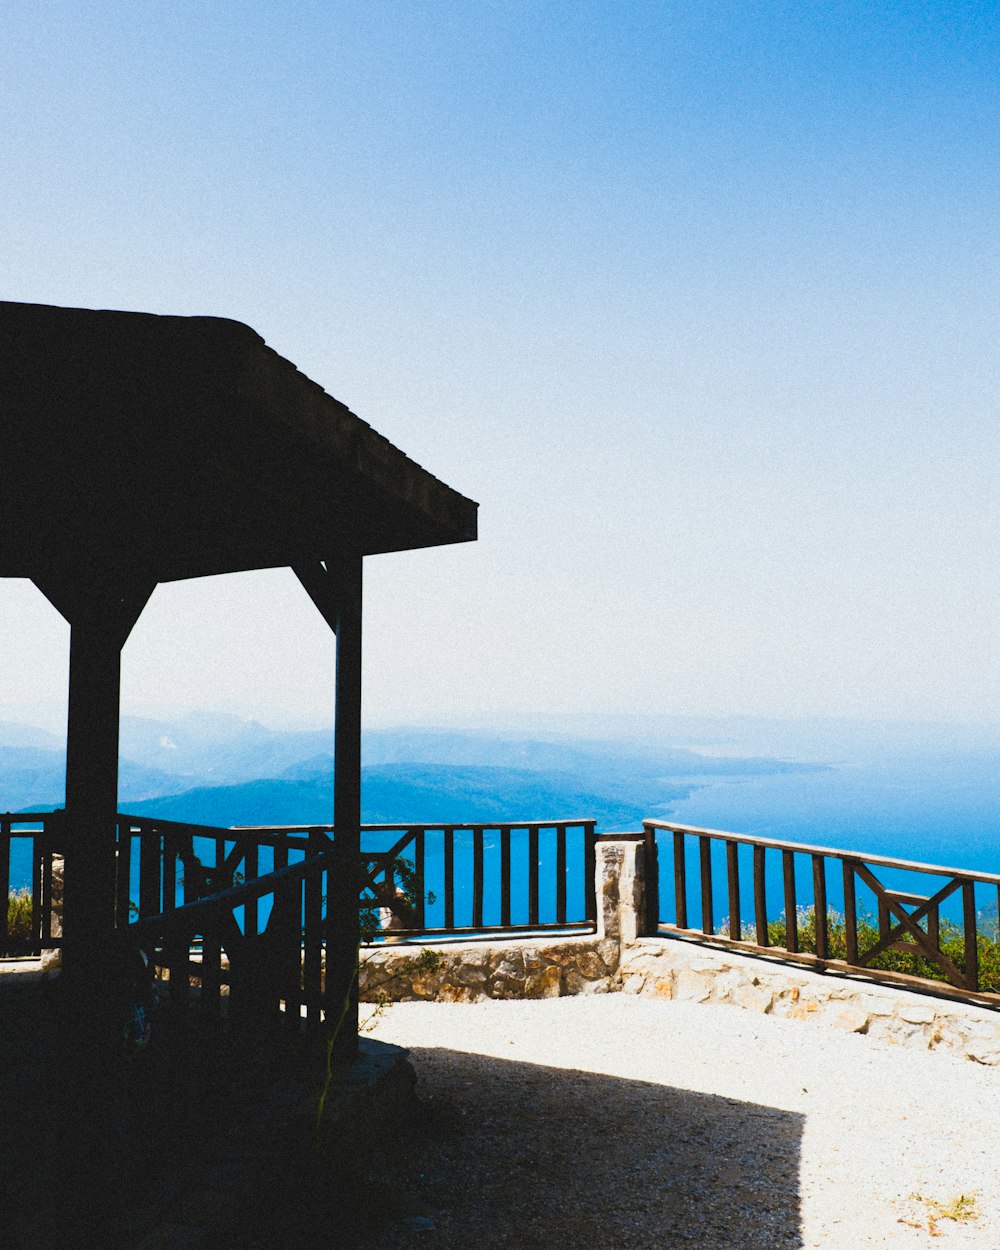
{"x":5,"y":849}
{"x":533,"y":875}
{"x":36,"y":894}
{"x":884,"y":922}
{"x":211,"y":971}
{"x":477,"y":878}
{"x":652,"y":868}
{"x":178,"y":956}
{"x":850,"y":913}
{"x":251,"y":870}
{"x":123,"y":872}
{"x":46,"y":886}
{"x":449,"y":878}
{"x":760,"y":897}
{"x":312,"y":939}
{"x":971,"y":937}
{"x":504,"y":875}
{"x":680,"y":882}
{"x":560,"y":874}
{"x":934,"y":926}
{"x":419,"y":885}
{"x":176,"y":949}
{"x":705,"y":856}
{"x":819,"y":899}
{"x":791,"y":914}
{"x":590,"y":871}
{"x":295,"y":995}
{"x":149,"y":868}
{"x":326,"y":887}
{"x":169,"y":871}
{"x":733,"y":876}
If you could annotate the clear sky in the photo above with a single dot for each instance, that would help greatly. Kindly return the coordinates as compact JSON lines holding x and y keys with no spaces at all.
{"x":699,"y":300}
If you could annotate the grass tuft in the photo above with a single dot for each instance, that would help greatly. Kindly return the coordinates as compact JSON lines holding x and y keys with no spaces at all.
{"x":19,"y":915}
{"x":962,"y":1209}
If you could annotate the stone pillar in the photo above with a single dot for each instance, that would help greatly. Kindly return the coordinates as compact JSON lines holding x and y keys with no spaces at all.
{"x":621,"y":893}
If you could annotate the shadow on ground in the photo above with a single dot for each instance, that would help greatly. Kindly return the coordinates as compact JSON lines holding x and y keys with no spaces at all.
{"x":492,"y":1155}
{"x":509,"y":1154}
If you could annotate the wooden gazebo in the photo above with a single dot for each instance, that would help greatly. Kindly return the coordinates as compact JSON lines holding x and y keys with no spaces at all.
{"x":139,"y":449}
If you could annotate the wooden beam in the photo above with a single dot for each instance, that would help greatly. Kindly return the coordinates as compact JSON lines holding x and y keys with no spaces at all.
{"x":116,"y":606}
{"x":324,"y":583}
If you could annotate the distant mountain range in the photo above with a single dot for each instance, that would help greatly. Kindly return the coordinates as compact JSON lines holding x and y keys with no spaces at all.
{"x":221,"y":770}
{"x":399,"y":794}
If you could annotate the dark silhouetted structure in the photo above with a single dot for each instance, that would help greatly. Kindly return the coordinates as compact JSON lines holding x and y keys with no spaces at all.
{"x":139,"y":449}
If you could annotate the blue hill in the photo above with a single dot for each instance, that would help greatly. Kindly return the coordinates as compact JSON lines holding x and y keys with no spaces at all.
{"x":402,"y":793}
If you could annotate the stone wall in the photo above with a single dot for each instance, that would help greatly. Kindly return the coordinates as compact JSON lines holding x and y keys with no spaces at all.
{"x":522,"y":967}
{"x":509,"y":968}
{"x":672,"y":968}
{"x":618,"y":958}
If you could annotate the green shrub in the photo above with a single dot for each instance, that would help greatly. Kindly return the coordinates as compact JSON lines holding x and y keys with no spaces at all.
{"x":913,"y":963}
{"x":19,"y":915}
{"x":405,"y":889}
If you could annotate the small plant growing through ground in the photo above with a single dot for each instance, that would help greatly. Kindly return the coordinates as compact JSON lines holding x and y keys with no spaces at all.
{"x":425,"y":964}
{"x":405,"y":897}
{"x":929,"y":1212}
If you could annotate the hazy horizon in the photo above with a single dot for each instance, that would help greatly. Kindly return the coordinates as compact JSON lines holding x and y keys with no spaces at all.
{"x":794,"y":737}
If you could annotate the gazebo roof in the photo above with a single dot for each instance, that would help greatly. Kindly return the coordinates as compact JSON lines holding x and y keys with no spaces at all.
{"x":169,"y":447}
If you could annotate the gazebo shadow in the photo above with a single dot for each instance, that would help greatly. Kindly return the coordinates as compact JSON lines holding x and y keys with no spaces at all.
{"x":569,"y":1157}
{"x":494,"y":1154}
{"x":504,"y":1155}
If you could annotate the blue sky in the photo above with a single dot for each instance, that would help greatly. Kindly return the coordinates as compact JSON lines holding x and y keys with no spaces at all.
{"x":698,"y":300}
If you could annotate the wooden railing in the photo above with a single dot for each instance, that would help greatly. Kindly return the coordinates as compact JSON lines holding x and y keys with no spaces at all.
{"x":516,"y":903}
{"x":28,"y":842}
{"x":277,"y":974}
{"x":855,"y":921}
{"x":252,"y":943}
{"x":429,"y":879}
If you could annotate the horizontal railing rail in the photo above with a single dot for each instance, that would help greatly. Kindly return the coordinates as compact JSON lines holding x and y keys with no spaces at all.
{"x":943,"y":937}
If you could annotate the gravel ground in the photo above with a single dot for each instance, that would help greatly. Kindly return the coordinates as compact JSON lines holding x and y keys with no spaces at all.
{"x":615,"y":1123}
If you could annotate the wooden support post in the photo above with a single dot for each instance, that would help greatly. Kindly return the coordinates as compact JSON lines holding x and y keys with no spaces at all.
{"x":336,"y":588}
{"x":95,"y":974}
{"x":101,"y":617}
{"x":345,"y":933}
{"x":91,"y":802}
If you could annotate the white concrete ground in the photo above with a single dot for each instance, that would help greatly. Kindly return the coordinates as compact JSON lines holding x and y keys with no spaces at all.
{"x":650,"y":1124}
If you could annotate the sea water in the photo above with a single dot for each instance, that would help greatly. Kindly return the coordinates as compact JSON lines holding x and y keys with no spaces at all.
{"x":937,"y":811}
